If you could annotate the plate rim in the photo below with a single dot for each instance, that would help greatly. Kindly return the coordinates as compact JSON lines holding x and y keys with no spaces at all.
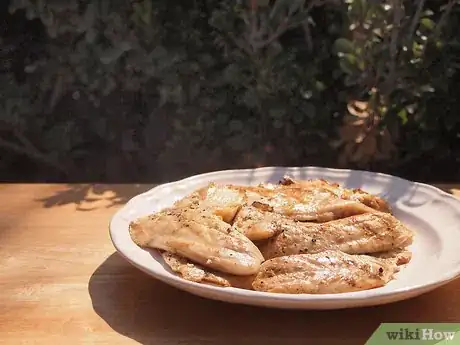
{"x":364,"y":296}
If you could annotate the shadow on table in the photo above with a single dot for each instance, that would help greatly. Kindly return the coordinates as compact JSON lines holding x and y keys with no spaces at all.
{"x":150,"y":312}
{"x":87,"y":197}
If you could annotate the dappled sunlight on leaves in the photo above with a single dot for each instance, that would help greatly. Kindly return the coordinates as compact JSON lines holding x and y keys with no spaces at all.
{"x":361,"y":137}
{"x":166,"y":89}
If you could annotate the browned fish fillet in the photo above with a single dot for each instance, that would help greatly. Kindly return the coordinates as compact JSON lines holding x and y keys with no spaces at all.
{"x":199,"y":274}
{"x":257,"y":224}
{"x":199,"y":235}
{"x":223,"y":201}
{"x":370,"y":200}
{"x":305,"y":205}
{"x":401,"y":255}
{"x":365,"y":233}
{"x":324,"y":273}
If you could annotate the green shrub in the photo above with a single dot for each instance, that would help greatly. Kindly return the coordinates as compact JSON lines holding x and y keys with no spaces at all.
{"x":137,"y":90}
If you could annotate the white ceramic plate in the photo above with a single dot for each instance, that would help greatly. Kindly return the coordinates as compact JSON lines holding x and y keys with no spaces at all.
{"x":433,"y":214}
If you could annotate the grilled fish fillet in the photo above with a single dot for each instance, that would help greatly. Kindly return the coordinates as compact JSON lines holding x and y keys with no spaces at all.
{"x":300,"y":204}
{"x":401,"y":255}
{"x":361,"y":234}
{"x":198,"y":235}
{"x":367,"y":199}
{"x":257,"y":224}
{"x":224,"y":201}
{"x":303,"y":204}
{"x":324,"y":273}
{"x":199,"y":274}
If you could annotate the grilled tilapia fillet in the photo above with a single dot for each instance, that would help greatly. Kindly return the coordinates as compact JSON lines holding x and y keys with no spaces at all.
{"x":200,"y":274}
{"x":313,"y":205}
{"x":257,"y":224}
{"x":370,"y":200}
{"x":223,"y":201}
{"x":401,"y":255}
{"x":361,"y":234}
{"x":199,"y":235}
{"x":324,"y":273}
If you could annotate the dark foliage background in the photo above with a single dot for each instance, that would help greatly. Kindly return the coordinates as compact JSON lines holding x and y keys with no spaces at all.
{"x":122,"y":91}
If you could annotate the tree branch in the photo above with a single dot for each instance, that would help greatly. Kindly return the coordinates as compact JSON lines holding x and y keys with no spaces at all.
{"x":255,"y":27}
{"x":307,"y":33}
{"x":285,"y":24}
{"x":416,"y":19}
{"x":397,"y":17}
{"x":444,"y":16}
{"x":237,"y":42}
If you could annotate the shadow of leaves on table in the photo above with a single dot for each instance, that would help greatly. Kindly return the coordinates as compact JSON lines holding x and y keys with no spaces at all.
{"x":150,"y":312}
{"x":87,"y":197}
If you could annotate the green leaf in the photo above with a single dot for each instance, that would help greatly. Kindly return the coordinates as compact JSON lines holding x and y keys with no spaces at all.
{"x":359,"y":8}
{"x":361,"y":65}
{"x":402,"y":114}
{"x":320,"y":86}
{"x":347,"y":67}
{"x":351,"y":59}
{"x":343,"y":45}
{"x":427,"y":23}
{"x":147,"y":12}
{"x":417,"y":49}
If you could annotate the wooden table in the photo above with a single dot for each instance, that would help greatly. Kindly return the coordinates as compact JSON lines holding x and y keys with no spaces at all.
{"x":62,"y":281}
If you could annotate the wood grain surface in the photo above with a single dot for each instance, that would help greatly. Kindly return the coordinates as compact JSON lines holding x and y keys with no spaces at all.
{"x":61,"y":280}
